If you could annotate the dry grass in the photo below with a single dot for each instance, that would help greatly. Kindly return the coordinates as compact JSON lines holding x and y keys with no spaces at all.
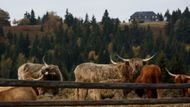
{"x":157,"y":28}
{"x":154,"y":24}
{"x":68,"y":94}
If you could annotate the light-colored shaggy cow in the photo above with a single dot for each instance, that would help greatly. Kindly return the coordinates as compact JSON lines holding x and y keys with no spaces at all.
{"x":35,"y":71}
{"x":30,"y":71}
{"x":91,"y":72}
{"x":17,"y":93}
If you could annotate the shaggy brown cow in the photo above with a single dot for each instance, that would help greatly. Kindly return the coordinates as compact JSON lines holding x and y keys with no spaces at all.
{"x":18,"y":93}
{"x":181,"y":78}
{"x":149,"y":74}
{"x":34,"y":71}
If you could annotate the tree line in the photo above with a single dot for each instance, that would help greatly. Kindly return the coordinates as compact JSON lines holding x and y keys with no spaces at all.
{"x":69,"y":41}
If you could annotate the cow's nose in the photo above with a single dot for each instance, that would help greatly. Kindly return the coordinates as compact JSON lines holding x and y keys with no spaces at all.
{"x":46,"y":73}
{"x":133,"y":72}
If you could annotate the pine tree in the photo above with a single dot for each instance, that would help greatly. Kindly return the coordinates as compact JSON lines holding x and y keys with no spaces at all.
{"x":160,"y":17}
{"x":69,"y":19}
{"x":33,"y":20}
{"x":45,"y":17}
{"x":4,"y":20}
{"x":167,"y":15}
{"x":86,"y":19}
{"x":186,"y":13}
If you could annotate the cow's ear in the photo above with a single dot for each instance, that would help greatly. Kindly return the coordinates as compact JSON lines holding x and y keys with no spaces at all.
{"x":145,"y":62}
{"x":173,"y":78}
{"x":127,"y":62}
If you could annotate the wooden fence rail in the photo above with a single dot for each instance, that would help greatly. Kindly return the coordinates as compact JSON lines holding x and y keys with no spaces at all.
{"x":72,"y":84}
{"x":95,"y":103}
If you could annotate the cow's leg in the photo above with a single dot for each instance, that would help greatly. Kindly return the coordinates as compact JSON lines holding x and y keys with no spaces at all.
{"x":158,"y":90}
{"x":82,"y":94}
{"x":86,"y":94}
{"x":149,"y":93}
{"x":118,"y":94}
{"x":188,"y":92}
{"x":94,"y":94}
{"x":158,"y":93}
{"x":185,"y":91}
{"x":97,"y":93}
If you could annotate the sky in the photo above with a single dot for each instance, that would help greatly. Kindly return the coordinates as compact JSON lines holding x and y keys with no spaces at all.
{"x":121,"y":9}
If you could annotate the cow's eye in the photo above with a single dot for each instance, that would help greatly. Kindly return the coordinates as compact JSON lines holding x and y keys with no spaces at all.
{"x":136,"y":65}
{"x":47,"y":69}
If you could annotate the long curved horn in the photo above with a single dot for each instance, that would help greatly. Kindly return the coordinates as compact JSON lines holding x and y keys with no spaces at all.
{"x":186,"y":76}
{"x":113,"y":62}
{"x":174,"y":75}
{"x":44,"y":61}
{"x":60,"y":75}
{"x":147,"y":59}
{"x":123,"y":58}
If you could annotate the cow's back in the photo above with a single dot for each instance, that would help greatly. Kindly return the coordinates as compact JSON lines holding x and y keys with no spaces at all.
{"x":149,"y":74}
{"x":28,"y":70}
{"x":91,"y":72}
{"x":18,"y":94}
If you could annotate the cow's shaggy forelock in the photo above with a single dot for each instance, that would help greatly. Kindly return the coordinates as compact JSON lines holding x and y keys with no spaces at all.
{"x":136,"y":64}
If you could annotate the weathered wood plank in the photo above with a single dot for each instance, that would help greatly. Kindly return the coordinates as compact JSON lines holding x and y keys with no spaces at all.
{"x":72,"y":84}
{"x":101,"y":102}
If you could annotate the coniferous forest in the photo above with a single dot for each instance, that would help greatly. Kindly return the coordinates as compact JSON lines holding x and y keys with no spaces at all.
{"x":68,"y":41}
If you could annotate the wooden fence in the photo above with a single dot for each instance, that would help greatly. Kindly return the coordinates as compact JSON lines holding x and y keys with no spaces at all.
{"x":71,"y":84}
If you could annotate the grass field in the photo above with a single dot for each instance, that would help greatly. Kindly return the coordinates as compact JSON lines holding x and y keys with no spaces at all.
{"x":157,"y":28}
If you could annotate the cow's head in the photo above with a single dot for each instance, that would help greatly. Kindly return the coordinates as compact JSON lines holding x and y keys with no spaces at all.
{"x":136,"y":63}
{"x":126,"y":71}
{"x":178,"y":78}
{"x":50,"y":73}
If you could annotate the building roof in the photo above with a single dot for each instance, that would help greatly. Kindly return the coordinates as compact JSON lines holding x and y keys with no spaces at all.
{"x":143,"y":13}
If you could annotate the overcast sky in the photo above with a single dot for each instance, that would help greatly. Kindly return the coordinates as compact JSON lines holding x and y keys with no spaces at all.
{"x":121,"y":9}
